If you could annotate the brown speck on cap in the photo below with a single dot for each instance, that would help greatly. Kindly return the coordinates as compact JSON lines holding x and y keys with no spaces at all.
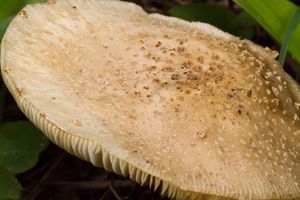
{"x":175,"y":76}
{"x":130,"y":133}
{"x":184,"y":108}
{"x":180,"y":49}
{"x":197,"y":68}
{"x":51,"y":2}
{"x":273,"y":53}
{"x":200,"y":59}
{"x":249,"y":93}
{"x":158,"y":44}
{"x":187,"y":92}
{"x":42,"y":115}
{"x":20,"y":90}
{"x":168,"y":69}
{"x":193,"y":77}
{"x":297,"y":105}
{"x":201,"y":134}
{"x":77,"y":123}
{"x":215,"y":57}
{"x":151,"y":68}
{"x":23,"y":14}
{"x":156,"y":80}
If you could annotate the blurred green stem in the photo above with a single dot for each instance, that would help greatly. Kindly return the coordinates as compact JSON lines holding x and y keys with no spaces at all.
{"x":291,"y":27}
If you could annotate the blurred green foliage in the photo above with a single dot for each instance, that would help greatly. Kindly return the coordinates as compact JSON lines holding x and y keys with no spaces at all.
{"x":274,"y":16}
{"x":20,"y":141}
{"x":3,"y":25}
{"x":240,"y":25}
{"x":8,"y":8}
{"x":20,"y":145}
{"x":10,"y":188}
{"x":11,"y":7}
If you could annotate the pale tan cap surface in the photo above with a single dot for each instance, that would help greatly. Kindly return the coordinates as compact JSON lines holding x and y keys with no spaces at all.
{"x":183,"y":107}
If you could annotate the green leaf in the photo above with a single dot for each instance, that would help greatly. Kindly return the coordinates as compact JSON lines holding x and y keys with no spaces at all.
{"x":20,"y":145}
{"x":10,"y":7}
{"x":3,"y":25}
{"x":245,"y":25}
{"x":292,"y":25}
{"x":274,"y":16}
{"x":10,"y":188}
{"x":35,"y":1}
{"x":219,"y":16}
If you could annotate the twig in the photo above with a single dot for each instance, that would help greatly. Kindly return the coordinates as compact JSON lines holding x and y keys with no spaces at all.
{"x":112,"y":189}
{"x":105,"y":194}
{"x":36,"y":190}
{"x":38,"y":171}
{"x":133,"y":187}
{"x":92,"y":184}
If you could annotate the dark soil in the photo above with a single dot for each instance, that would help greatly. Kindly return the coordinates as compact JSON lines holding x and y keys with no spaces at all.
{"x":60,"y":176}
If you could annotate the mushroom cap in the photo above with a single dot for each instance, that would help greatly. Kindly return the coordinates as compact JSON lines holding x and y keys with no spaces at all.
{"x":181,"y":107}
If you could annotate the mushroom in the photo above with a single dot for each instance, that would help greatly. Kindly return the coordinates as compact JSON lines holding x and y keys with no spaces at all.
{"x":181,"y":107}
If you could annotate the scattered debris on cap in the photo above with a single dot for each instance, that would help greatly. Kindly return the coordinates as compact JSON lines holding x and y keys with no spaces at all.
{"x":182,"y":107}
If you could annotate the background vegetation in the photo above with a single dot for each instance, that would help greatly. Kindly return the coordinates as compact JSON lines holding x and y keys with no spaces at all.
{"x":27,"y":174}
